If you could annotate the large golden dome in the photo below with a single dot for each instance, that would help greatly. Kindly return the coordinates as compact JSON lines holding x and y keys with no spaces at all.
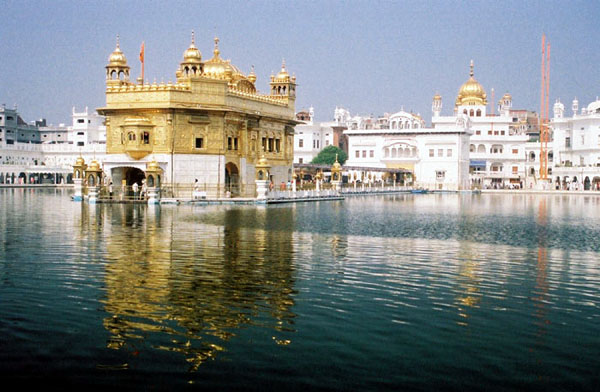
{"x":221,"y":68}
{"x":471,"y":92}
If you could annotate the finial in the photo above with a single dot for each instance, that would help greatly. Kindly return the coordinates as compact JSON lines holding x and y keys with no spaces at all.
{"x":471,"y":73}
{"x":216,"y":51}
{"x":283,"y":64}
{"x":118,"y":47}
{"x":193,"y":38}
{"x":336,"y":157}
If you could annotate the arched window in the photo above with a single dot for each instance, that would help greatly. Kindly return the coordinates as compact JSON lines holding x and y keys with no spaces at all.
{"x":471,"y":113}
{"x":472,"y":148}
{"x":131,"y":136}
{"x":394,"y":153}
{"x":481,"y":148}
{"x":386,"y":152}
{"x":465,"y":111}
{"x":478,"y":112}
{"x":146,"y":138}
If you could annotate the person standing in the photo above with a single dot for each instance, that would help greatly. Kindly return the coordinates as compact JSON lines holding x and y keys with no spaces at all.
{"x":135,"y":188}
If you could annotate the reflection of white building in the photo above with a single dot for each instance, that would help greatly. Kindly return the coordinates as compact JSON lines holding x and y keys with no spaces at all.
{"x":577,"y":146}
{"x":498,"y":144}
{"x":438,"y":158}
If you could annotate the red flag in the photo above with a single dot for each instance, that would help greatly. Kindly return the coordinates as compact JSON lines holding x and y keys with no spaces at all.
{"x":142,"y":53}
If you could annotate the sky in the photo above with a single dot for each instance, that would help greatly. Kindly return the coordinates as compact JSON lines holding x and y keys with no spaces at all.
{"x":370,"y":57}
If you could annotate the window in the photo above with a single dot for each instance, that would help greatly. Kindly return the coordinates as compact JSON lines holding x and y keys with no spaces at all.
{"x":496,"y":133}
{"x":502,"y":133}
{"x":80,"y":143}
{"x":300,"y":160}
{"x":300,"y":143}
{"x":80,"y":121}
{"x":271,"y":140}
{"x":582,"y":140}
{"x":440,"y":174}
{"x":277,"y":145}
{"x":477,"y":132}
{"x":199,"y":142}
{"x":146,"y":138}
{"x":515,"y":169}
{"x":568,"y":142}
{"x":235,"y":143}
{"x":449,"y":153}
{"x":357,"y":154}
{"x":326,"y":143}
{"x":515,"y":150}
{"x":364,"y":154}
{"x":229,"y":143}
{"x":489,"y":132}
{"x":440,"y":152}
{"x":264,"y":143}
{"x":371,"y":154}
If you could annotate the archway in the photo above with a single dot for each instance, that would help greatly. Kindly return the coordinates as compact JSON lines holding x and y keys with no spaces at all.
{"x":587,"y":184}
{"x":232,"y":179}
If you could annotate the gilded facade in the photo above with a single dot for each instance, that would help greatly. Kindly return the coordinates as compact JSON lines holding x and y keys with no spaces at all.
{"x":211,"y":125}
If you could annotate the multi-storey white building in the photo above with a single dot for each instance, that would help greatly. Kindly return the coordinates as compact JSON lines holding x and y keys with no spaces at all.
{"x":310,"y":137}
{"x":38,"y":153}
{"x":438,"y":158}
{"x":577,"y":146}
{"x":499,"y":149}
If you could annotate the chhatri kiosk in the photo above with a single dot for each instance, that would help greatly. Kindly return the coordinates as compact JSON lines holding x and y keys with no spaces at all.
{"x":211,"y":125}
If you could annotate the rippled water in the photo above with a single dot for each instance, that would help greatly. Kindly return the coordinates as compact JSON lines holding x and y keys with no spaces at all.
{"x":406,"y":292}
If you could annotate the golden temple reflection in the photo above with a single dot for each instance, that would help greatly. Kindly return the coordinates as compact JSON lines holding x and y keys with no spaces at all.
{"x":468,"y":282}
{"x":191,"y":284}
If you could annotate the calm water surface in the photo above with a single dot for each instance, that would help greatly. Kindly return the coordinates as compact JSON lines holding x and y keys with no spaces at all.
{"x":406,"y":292}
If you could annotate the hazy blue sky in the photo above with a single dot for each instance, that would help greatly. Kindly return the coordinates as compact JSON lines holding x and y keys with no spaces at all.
{"x":367,"y":56}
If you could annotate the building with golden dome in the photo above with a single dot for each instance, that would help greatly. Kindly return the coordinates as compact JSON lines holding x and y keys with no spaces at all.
{"x":500,"y":150}
{"x":211,"y":124}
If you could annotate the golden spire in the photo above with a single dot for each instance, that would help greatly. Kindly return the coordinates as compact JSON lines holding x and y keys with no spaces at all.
{"x":471,"y":73}
{"x":216,"y":51}
{"x":193,"y":39}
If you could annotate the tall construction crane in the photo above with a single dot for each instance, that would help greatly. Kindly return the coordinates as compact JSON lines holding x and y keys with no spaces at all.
{"x":544,"y":109}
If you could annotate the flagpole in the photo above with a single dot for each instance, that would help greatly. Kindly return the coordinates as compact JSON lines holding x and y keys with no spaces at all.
{"x":142,"y":60}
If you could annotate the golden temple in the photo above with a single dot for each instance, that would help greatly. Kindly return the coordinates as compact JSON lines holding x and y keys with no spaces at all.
{"x":211,"y":125}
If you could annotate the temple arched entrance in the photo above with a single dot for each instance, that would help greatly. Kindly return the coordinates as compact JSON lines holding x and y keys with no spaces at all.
{"x":232,"y":179}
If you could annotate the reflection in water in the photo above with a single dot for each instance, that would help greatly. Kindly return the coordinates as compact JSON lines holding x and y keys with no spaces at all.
{"x":179,"y":285}
{"x":468,"y":295}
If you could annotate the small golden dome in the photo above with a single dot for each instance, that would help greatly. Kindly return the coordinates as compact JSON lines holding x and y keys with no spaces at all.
{"x":336,"y":165}
{"x":192,"y":54}
{"x":471,"y":92}
{"x":252,"y":76}
{"x":283,"y":74}
{"x":94,"y":166}
{"x":153,"y":166}
{"x":80,"y":161}
{"x":262,"y":162}
{"x":507,"y":96}
{"x":117,"y":57}
{"x":437,"y":97}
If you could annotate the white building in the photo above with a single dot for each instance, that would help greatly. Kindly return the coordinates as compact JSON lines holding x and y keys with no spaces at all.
{"x":577,"y":146}
{"x":310,"y":137}
{"x":438,"y":158}
{"x":45,"y":154}
{"x":499,"y":149}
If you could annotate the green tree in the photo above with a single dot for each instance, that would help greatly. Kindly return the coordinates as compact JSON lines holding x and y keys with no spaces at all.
{"x":327,"y":156}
